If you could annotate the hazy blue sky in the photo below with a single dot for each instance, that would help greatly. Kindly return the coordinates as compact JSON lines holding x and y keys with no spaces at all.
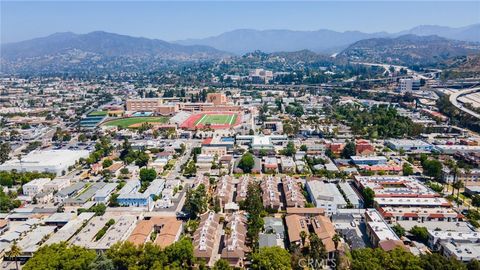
{"x":179,"y":20}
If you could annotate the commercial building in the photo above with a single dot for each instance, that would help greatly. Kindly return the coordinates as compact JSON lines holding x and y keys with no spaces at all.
{"x":369,"y":160}
{"x":351,"y":195}
{"x":411,"y":202}
{"x":53,"y":161}
{"x":257,"y":143}
{"x":395,"y":186}
{"x":470,"y":178}
{"x":85,"y":195}
{"x":325,"y":195}
{"x":378,"y":231}
{"x":420,"y":214}
{"x":460,"y":245}
{"x":103,"y":195}
{"x":118,"y":232}
{"x":409,"y":85}
{"x":144,"y":104}
{"x":35,"y":186}
{"x":69,"y":229}
{"x":31,"y":242}
{"x":57,"y":184}
{"x":217,"y":98}
{"x":453,"y":149}
{"x":409,"y":145}
{"x":68,"y":192}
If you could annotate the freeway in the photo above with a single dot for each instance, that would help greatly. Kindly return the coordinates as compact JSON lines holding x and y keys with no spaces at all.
{"x":454,"y":100}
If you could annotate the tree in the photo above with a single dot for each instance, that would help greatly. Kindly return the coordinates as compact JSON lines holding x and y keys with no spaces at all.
{"x":82,"y":138}
{"x":102,"y":262}
{"x":61,"y":256}
{"x":407,"y":169}
{"x":190,"y":169}
{"x":142,"y":159}
{"x":421,"y":233}
{"x":246,"y":163}
{"x":253,"y":204}
{"x":399,"y":230}
{"x":289,"y":149}
{"x":349,"y":150}
{"x":222,"y":265}
{"x":14,"y":252}
{"x":107,"y":163}
{"x":329,"y":153}
{"x":476,"y":200}
{"x":4,"y":151}
{"x":196,"y":201}
{"x":473,"y":265}
{"x":432,"y":168}
{"x":436,"y":261}
{"x":316,"y":248}
{"x":147,"y":175}
{"x":271,"y":258}
{"x":336,"y":240}
{"x":378,"y":259}
{"x":303,"y":148}
{"x":368,"y":197}
{"x":303,"y":237}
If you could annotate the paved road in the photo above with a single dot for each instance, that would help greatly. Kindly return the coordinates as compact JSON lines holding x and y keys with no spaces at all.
{"x":454,"y":100}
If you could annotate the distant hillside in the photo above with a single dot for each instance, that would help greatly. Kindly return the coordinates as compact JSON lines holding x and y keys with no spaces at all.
{"x":323,"y":41}
{"x":467,"y":33}
{"x":408,"y":50}
{"x":248,"y":40}
{"x":101,"y":50}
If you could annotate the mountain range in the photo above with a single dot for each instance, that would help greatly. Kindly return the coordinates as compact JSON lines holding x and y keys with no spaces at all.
{"x":408,"y":50}
{"x":97,"y":52}
{"x":102,"y":51}
{"x":321,"y":41}
{"x":105,"y":44}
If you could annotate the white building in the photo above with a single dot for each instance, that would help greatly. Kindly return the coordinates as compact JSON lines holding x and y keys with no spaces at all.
{"x":409,"y":85}
{"x":35,"y":186}
{"x":56,"y":184}
{"x":325,"y":195}
{"x":53,"y":161}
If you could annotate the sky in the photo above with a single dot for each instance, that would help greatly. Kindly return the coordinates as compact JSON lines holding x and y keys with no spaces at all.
{"x":21,"y":20}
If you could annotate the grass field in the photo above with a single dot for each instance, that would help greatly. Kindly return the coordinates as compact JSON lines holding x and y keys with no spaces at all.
{"x":98,"y":113}
{"x":217,"y":119}
{"x":126,"y":122}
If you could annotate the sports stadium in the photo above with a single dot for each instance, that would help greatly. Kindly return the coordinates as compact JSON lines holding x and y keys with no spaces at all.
{"x":214,"y":120}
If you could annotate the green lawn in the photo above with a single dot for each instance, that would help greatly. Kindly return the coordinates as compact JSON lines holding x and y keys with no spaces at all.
{"x":98,"y":113}
{"x":217,"y":119}
{"x":126,"y":122}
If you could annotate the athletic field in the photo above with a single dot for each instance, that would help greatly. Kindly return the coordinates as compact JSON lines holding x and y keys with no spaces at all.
{"x":216,"y":119}
{"x":127,"y":122}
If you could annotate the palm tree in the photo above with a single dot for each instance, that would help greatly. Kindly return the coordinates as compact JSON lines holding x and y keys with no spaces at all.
{"x":336,"y":239}
{"x":303,"y":236}
{"x":14,"y":252}
{"x":455,"y":174}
